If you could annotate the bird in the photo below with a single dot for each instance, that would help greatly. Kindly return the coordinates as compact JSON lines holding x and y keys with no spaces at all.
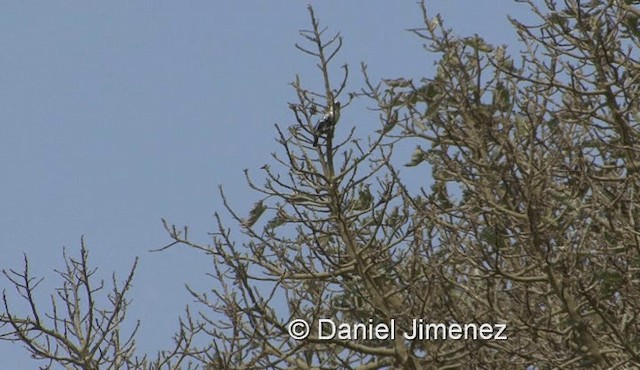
{"x":327,"y":122}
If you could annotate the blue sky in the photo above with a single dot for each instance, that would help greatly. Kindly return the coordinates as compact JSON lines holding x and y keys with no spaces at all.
{"x":115,"y":114}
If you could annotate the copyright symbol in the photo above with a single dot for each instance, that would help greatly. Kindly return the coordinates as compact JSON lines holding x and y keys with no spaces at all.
{"x":298,"y":329}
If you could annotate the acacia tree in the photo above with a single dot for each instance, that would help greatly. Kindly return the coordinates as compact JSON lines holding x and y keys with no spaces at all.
{"x":531,"y":220}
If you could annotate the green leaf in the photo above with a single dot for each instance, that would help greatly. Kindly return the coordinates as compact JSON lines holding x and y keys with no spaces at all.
{"x":428,"y":92}
{"x":390,"y":123}
{"x":501,"y":97}
{"x":275,"y":222}
{"x":398,"y":82}
{"x":254,"y":215}
{"x":365,"y":199}
{"x":417,"y":157}
{"x":488,"y":235}
{"x":631,"y":24}
{"x":478,"y":43}
{"x":557,"y":19}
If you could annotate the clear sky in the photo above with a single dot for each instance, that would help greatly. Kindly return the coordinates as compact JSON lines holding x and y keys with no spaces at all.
{"x":114,"y":114}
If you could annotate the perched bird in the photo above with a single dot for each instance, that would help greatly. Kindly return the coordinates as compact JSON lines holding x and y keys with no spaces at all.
{"x":328,"y":121}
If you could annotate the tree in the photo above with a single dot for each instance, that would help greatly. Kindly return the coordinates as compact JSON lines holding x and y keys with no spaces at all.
{"x":83,"y":329}
{"x":532,"y":220}
{"x":338,"y":223}
{"x":545,"y":153}
{"x":531,"y":223}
